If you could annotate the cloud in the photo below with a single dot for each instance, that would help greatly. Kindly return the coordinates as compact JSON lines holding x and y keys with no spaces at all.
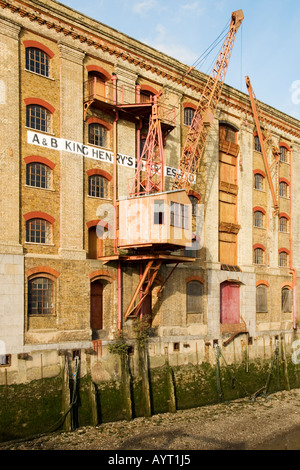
{"x":193,"y":8}
{"x":144,"y":6}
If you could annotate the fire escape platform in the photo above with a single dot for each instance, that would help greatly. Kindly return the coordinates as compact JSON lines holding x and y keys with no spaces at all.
{"x":165,"y":258}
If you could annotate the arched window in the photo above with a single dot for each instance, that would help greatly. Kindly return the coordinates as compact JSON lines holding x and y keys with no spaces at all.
{"x":261,"y":299}
{"x":283,"y":259}
{"x":188,"y":116}
{"x":40,"y":296}
{"x":38,"y":118}
{"x":38,"y":175}
{"x":258,"y":217}
{"x":37,"y":61}
{"x":194,"y":297}
{"x":97,"y":135}
{"x":258,"y":256}
{"x":286,"y":300}
{"x":98,"y":186}
{"x":38,"y":231}
{"x":257,"y":146}
{"x":258,"y":181}
{"x":283,"y":224}
{"x":283,"y":154}
{"x":283,"y":189}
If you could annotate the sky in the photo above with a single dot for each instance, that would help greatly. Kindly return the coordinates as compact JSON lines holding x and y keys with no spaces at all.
{"x":265,"y":49}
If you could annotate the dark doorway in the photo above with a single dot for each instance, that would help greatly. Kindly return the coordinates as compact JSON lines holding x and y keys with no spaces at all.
{"x":97,"y":305}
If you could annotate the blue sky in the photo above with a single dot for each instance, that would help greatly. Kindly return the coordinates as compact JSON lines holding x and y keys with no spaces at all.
{"x":266,"y":47}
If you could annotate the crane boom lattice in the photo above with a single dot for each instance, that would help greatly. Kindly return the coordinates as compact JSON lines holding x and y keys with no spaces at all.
{"x":204,"y":115}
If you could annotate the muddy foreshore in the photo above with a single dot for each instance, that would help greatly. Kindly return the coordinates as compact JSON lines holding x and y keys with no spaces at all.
{"x":271,"y":423}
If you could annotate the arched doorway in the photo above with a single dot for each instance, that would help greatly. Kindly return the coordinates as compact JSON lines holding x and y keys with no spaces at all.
{"x":229,"y":302}
{"x":96,"y":305}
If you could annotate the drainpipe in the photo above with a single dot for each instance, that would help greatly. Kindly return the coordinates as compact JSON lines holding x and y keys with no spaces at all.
{"x":115,"y":175}
{"x":293,"y":270}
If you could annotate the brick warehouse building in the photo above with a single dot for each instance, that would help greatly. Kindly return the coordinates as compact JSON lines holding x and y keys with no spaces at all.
{"x":74,"y":95}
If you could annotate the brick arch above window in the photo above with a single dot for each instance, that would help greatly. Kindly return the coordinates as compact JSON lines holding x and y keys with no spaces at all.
{"x":42,"y":270}
{"x":95,"y":120}
{"x":39,"y":215}
{"x":39,"y":159}
{"x":284,"y":180}
{"x":39,"y":45}
{"x":285,"y":145}
{"x":188,"y":104}
{"x":283,"y":214}
{"x":102,"y":223}
{"x":259,"y":172}
{"x":259,"y":245}
{"x":149,"y":88}
{"x":40,"y":102}
{"x":102,"y":274}
{"x":98,"y":171}
{"x":194,"y":278}
{"x":98,"y":69}
{"x":284,"y":250}
{"x":195,"y":194}
{"x":262,"y":283}
{"x":287,"y":285}
{"x":259,"y":209}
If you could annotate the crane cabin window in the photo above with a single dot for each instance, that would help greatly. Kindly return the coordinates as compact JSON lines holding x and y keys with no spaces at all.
{"x":178,"y":215}
{"x":159,"y":212}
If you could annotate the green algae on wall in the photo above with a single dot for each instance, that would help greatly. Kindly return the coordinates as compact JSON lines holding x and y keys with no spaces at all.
{"x":30,"y":409}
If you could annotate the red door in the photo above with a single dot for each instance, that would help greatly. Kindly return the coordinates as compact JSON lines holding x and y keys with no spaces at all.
{"x":96,"y":305}
{"x":230,"y":302}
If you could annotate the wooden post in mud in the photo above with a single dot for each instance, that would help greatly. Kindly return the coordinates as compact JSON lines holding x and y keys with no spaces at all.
{"x":144,"y":374}
{"x":126,"y":383}
{"x":66,"y":395}
{"x":170,"y":384}
{"x":286,"y":375}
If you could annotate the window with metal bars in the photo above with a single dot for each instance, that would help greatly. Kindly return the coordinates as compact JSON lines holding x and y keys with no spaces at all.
{"x":40,"y":296}
{"x":257,"y":146}
{"x":286,"y":300}
{"x":283,"y":154}
{"x":194,"y":297}
{"x":283,"y":189}
{"x":38,"y":231}
{"x":258,"y":181}
{"x":258,"y":256}
{"x":261,"y":299}
{"x":283,"y":257}
{"x":283,"y":224}
{"x":97,"y":135}
{"x":38,"y":175}
{"x":38,"y":118}
{"x":258,"y":219}
{"x":188,"y":116}
{"x":98,"y":186}
{"x":37,"y":61}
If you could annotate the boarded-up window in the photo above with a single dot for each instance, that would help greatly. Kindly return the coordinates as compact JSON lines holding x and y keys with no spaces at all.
{"x":286,"y":299}
{"x":194,"y":297}
{"x":261,"y":299}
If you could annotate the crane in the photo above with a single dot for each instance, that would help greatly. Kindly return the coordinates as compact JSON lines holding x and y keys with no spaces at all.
{"x":204,"y":114}
{"x":275,"y":150}
{"x":153,"y":166}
